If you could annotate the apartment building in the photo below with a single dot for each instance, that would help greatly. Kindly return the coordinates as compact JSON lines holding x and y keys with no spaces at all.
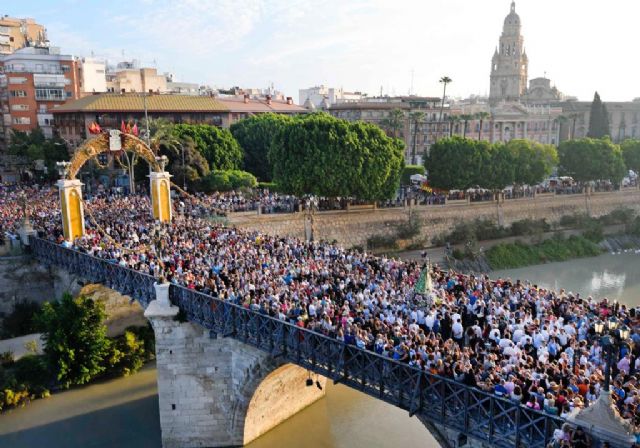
{"x":18,"y":33}
{"x":32,"y":81}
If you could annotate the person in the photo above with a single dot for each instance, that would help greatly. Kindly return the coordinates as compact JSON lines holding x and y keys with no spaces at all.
{"x":580,"y":439}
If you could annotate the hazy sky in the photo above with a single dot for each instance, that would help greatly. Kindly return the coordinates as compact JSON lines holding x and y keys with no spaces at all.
{"x":582,"y":45}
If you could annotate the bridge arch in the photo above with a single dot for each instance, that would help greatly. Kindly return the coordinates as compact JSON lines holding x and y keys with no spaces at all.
{"x":71,"y":204}
{"x":101,"y":144}
{"x":275,"y":397}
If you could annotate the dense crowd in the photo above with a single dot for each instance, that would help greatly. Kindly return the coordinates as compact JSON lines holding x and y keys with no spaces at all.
{"x":529,"y":344}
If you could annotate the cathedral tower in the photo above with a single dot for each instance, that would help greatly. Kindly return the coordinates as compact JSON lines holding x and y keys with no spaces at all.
{"x":510,"y":63}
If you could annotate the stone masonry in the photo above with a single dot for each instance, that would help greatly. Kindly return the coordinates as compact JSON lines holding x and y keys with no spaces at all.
{"x":217,"y":392}
{"x":352,"y":228}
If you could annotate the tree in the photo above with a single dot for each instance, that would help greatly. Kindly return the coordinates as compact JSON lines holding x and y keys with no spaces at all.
{"x":465,"y":119}
{"x":599,"y":119}
{"x":454,"y":163}
{"x":416,"y":117}
{"x":75,"y":339}
{"x":393,"y":122}
{"x":590,"y":159}
{"x":195,"y":166}
{"x":325,"y":156}
{"x":482,"y":116}
{"x":218,"y":146}
{"x":533,"y":161}
{"x":444,"y":80}
{"x":497,"y":171}
{"x":631,"y":154}
{"x":255,"y":135}
{"x":453,"y":120}
{"x":34,"y":146}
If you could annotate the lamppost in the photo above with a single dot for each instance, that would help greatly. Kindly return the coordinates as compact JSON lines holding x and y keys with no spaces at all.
{"x":310,"y":205}
{"x":612,"y":339}
{"x":601,"y":418}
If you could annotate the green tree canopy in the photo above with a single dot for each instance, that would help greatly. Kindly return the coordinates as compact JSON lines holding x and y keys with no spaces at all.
{"x":631,"y":153}
{"x":498,"y":166}
{"x":325,"y":156}
{"x":75,"y":338}
{"x":590,"y":159}
{"x":598,"y":119}
{"x":217,"y":145}
{"x":533,"y":161}
{"x":255,"y":135}
{"x":34,"y":146}
{"x":454,"y":163}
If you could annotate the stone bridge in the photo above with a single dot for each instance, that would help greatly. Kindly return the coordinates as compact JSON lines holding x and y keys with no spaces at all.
{"x":227,"y":374}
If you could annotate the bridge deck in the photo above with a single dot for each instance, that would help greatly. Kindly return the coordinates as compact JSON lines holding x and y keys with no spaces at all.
{"x":470,"y":411}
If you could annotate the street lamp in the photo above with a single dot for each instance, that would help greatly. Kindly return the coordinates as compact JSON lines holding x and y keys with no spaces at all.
{"x":602,"y":417}
{"x":612,"y":339}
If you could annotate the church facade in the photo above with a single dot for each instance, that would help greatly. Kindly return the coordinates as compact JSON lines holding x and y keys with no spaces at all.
{"x":539,"y":111}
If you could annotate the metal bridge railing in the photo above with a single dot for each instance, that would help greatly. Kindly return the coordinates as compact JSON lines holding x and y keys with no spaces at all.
{"x":471,"y":411}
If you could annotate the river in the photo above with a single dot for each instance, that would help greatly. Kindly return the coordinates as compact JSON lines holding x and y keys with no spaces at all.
{"x":123,"y":413}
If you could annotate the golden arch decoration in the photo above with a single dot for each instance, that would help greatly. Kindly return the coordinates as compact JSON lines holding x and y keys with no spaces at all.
{"x":100,"y":145}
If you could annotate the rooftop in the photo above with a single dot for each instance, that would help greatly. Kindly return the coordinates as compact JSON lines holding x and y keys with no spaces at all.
{"x":134,"y":102}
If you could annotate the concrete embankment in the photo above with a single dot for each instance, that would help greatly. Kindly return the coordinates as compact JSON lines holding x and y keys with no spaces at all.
{"x":353,"y":228}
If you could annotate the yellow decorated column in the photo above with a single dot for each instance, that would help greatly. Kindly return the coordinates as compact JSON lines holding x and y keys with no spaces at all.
{"x":71,"y":208}
{"x":161,"y":195}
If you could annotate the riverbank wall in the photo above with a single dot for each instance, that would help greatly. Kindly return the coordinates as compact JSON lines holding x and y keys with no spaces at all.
{"x":353,"y":228}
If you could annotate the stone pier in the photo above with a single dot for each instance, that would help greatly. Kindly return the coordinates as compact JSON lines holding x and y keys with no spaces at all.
{"x":217,"y":392}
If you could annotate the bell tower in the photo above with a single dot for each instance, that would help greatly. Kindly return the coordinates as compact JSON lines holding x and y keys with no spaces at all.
{"x":509,"y":65}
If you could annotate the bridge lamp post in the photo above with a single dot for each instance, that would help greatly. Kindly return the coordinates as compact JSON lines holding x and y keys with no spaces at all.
{"x":601,"y":418}
{"x":613,"y":338}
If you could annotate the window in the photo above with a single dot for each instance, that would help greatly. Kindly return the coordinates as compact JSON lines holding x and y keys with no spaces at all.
{"x":65,"y":68}
{"x":39,"y":68}
{"x":50,"y":94}
{"x":21,"y":120}
{"x":68,"y":94}
{"x":18,"y":93}
{"x":13,"y":80}
{"x":19,"y":107}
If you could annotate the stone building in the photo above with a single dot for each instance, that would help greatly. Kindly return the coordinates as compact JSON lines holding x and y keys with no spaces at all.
{"x":509,"y":65}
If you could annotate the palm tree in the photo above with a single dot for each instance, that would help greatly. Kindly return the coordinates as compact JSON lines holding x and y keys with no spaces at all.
{"x":416,"y":117}
{"x":482,"y":116}
{"x":453,"y":119}
{"x":444,"y":80}
{"x":573,"y":118}
{"x":465,"y":119}
{"x":393,"y":122}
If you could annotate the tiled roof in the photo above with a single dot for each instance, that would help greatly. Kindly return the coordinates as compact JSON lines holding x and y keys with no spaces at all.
{"x":114,"y":102}
{"x":369,"y":105}
{"x":238,"y":105}
{"x":132,"y":102}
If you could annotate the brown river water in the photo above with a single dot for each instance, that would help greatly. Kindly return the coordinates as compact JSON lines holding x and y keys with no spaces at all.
{"x":123,"y":413}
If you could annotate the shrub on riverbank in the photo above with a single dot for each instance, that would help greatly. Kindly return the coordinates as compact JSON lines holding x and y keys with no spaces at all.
{"x":518,"y":254}
{"x":77,"y":351}
{"x":486,"y":229}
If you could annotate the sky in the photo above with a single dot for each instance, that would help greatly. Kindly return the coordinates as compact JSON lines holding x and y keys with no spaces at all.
{"x":397,"y":46}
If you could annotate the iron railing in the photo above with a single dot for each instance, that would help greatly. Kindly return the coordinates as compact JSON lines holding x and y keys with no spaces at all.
{"x":443,"y":401}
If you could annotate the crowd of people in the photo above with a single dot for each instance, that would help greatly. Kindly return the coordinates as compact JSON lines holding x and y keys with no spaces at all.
{"x":512,"y":338}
